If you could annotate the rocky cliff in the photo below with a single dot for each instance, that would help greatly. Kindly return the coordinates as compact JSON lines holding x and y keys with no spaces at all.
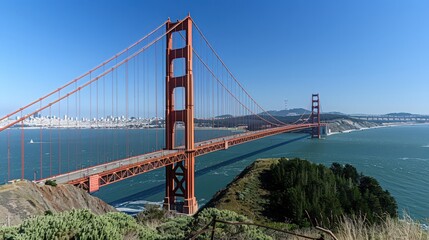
{"x":22,"y":199}
{"x":340,"y":125}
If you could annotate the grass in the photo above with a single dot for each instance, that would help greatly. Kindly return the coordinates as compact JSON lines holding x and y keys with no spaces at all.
{"x":389,"y":229}
{"x":247,"y":195}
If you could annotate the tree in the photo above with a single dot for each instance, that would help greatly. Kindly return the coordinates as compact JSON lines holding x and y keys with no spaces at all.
{"x":325,"y":193}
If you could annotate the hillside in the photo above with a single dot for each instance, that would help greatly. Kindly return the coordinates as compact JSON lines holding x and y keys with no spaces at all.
{"x":272,"y":190}
{"x":289,"y":112}
{"x":346,"y":124}
{"x":22,"y":199}
{"x":240,"y":195}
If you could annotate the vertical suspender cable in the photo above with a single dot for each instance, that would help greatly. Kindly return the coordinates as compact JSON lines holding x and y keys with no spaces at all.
{"x":22,"y":149}
{"x":156,"y":100}
{"x":97,"y":123}
{"x":90,"y":150}
{"x":41,"y":147}
{"x":127,"y":140}
{"x":79,"y":156}
{"x":76,"y":130}
{"x":116,"y":113}
{"x":50,"y":141}
{"x":8,"y":154}
{"x":59,"y":134}
{"x":68,"y":135}
{"x":104,"y":120}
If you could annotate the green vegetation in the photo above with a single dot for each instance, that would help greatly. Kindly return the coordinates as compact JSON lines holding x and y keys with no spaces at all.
{"x":299,"y":187}
{"x":48,"y":212}
{"x":260,"y":193}
{"x":77,"y":224}
{"x":153,"y":223}
{"x":224,"y":231}
{"x":52,"y":183}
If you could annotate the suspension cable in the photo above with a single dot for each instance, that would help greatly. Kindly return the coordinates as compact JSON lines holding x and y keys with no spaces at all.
{"x":230,"y":73}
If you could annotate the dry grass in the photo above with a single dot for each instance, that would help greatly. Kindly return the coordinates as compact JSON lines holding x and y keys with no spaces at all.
{"x":246,"y":195}
{"x":359,"y":229}
{"x":389,"y":229}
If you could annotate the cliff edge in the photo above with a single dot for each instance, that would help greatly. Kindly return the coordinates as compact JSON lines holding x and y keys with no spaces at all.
{"x":20,"y":200}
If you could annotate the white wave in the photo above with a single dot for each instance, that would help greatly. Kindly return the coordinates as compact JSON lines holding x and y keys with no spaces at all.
{"x":129,"y":210}
{"x":134,"y":207}
{"x":140,"y":202}
{"x":426,"y":146}
{"x":422,"y":159}
{"x":411,"y":158}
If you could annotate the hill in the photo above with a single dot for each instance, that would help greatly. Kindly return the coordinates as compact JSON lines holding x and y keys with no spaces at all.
{"x":289,"y":112}
{"x":20,"y":200}
{"x":272,"y":190}
{"x":401,"y":114}
{"x":246,"y":194}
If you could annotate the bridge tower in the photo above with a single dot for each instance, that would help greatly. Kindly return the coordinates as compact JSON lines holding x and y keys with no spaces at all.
{"x":315,"y":115}
{"x":179,"y":194}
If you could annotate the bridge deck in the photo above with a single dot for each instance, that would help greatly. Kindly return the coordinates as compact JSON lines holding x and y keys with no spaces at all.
{"x":92,"y":178}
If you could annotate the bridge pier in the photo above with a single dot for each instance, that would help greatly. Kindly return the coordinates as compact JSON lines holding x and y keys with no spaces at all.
{"x":179,"y":194}
{"x":94,"y":183}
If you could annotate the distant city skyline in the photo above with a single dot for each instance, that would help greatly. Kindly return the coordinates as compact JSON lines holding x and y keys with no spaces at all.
{"x":368,"y":57}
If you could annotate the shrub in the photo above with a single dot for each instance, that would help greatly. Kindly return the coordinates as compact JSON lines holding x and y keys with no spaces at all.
{"x":48,"y":212}
{"x":152,"y":214}
{"x":78,"y":224}
{"x":226,"y":231}
{"x":52,"y":183}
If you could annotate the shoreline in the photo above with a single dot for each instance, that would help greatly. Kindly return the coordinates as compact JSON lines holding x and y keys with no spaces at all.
{"x":384,"y":125}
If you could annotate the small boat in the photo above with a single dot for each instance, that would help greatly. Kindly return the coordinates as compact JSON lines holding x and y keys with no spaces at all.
{"x":31,"y":141}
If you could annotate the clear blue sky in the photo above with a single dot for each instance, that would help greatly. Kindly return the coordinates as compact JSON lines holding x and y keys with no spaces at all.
{"x":362,"y":56}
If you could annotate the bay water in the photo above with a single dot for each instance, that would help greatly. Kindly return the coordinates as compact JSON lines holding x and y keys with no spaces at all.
{"x":398,"y":157}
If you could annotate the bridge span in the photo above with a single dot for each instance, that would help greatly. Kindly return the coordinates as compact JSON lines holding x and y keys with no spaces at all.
{"x":92,"y":178}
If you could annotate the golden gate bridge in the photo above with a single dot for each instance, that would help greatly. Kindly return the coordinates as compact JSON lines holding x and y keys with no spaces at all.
{"x":152,"y":96}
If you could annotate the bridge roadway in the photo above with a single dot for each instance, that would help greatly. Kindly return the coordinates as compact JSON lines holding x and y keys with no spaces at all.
{"x":92,"y":178}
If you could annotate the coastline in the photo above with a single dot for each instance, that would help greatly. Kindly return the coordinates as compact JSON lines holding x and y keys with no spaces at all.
{"x":379,"y":125}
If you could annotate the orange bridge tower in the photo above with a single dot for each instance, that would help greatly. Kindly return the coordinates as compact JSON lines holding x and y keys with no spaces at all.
{"x":179,"y":193}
